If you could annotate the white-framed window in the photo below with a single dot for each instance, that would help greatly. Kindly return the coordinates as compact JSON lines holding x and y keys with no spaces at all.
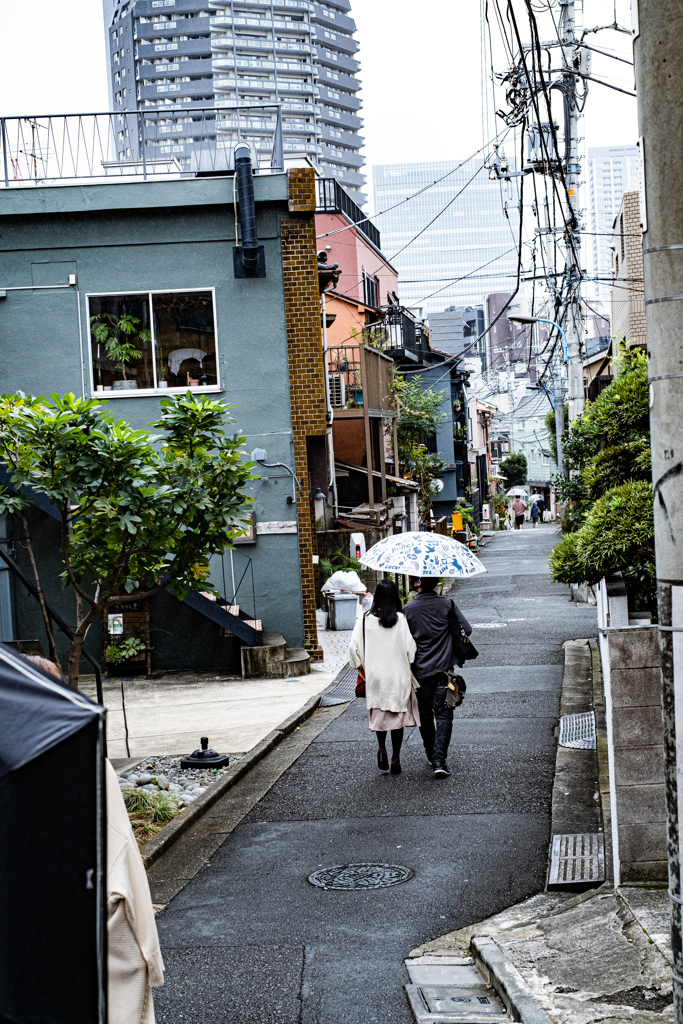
{"x":152,"y":342}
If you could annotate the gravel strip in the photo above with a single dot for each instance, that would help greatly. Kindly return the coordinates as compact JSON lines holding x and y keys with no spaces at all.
{"x":164,"y":773}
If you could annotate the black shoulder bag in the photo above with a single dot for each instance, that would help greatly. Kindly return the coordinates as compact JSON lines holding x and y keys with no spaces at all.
{"x":463,"y":648}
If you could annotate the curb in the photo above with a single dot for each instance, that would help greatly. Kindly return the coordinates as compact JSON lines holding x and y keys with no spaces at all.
{"x":603,"y":759}
{"x":164,"y":840}
{"x":504,"y":977}
{"x":574,"y":808}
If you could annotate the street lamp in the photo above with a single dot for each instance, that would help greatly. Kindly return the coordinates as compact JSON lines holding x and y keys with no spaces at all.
{"x":557,"y":383}
{"x":519,"y":319}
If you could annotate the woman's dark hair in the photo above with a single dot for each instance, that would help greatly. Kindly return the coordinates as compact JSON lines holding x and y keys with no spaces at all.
{"x":387,"y":603}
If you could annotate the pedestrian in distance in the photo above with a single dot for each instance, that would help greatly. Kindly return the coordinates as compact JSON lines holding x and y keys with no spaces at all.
{"x":534,"y":514}
{"x":541,"y":507}
{"x":382,"y":644}
{"x":518,"y":509}
{"x":431,"y":619}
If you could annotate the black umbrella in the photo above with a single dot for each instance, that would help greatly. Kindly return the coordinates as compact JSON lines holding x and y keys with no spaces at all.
{"x":52,"y":850}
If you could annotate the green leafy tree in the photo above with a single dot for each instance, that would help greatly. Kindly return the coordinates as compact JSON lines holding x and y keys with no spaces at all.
{"x":13,"y":408}
{"x":424,"y":467}
{"x":117,"y":334}
{"x":610,"y":443}
{"x":608,"y":518}
{"x":515,"y":470}
{"x":617,"y":535}
{"x":139,"y":512}
{"x":419,"y":414}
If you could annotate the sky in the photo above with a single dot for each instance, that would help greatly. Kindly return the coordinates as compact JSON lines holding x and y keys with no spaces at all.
{"x":421,"y":72}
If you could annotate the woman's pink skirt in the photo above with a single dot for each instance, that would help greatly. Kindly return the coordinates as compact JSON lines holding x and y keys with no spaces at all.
{"x":384,"y":721}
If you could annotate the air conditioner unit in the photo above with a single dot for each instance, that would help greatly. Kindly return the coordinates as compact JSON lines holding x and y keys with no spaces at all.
{"x":337,"y":391}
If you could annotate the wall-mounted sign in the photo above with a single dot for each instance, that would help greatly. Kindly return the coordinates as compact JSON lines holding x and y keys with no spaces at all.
{"x":286,"y":526}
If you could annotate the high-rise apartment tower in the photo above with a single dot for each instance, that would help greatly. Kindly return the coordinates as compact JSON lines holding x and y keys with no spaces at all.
{"x":185,"y":58}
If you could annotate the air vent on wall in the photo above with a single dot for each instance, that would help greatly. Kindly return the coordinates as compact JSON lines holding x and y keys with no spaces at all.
{"x":337,"y":391}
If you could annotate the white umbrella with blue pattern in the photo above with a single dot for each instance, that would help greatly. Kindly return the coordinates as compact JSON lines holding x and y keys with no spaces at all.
{"x":422,"y":554}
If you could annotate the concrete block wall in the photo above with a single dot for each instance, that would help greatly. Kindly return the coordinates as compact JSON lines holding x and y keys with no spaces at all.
{"x":630,"y":659}
{"x":628,"y":297}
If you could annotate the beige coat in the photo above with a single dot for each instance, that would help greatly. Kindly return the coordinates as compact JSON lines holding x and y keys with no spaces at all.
{"x":134,"y":959}
{"x":386,"y":659}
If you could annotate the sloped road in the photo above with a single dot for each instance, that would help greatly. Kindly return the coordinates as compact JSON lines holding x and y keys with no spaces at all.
{"x":250,"y":941}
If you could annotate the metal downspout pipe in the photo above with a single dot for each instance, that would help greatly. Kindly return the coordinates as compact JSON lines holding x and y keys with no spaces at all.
{"x":329,"y":413}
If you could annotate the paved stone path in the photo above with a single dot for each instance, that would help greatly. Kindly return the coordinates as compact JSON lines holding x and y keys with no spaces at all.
{"x":249,"y":941}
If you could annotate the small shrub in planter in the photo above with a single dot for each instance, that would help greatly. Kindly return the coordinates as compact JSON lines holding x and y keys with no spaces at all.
{"x":123,"y":650}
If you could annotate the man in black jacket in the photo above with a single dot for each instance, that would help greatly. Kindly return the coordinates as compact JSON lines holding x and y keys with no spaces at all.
{"x":429,"y":617}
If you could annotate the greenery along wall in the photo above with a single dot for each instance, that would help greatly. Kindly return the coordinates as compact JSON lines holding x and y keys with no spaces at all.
{"x":608,"y":520}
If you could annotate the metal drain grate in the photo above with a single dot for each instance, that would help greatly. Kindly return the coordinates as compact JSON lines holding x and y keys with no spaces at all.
{"x":344,"y":691}
{"x":577,"y":861}
{"x":360,"y":876}
{"x":578,"y":731}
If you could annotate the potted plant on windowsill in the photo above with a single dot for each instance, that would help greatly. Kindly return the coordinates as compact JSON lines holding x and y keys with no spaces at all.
{"x":116,"y":334}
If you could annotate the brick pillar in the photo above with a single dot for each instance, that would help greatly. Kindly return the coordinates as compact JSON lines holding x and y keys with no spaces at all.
{"x":306,"y":370}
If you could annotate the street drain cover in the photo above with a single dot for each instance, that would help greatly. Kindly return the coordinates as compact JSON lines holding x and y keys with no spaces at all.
{"x":360,"y":876}
{"x":577,"y":861}
{"x":455,"y":1004}
{"x":345,"y":690}
{"x":578,"y":731}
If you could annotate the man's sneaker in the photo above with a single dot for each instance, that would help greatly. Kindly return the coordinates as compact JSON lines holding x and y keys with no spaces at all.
{"x":441,"y":771}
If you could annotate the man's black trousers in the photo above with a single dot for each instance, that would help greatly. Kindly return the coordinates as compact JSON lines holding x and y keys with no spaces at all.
{"x":431,"y":700}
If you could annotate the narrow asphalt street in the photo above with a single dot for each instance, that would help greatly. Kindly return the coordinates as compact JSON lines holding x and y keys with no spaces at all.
{"x":250,"y":941}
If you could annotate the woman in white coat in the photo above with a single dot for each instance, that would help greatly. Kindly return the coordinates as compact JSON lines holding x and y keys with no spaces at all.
{"x":383,"y":645}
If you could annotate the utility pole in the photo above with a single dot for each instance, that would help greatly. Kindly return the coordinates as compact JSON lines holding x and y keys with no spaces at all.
{"x":658,"y":50}
{"x":574,"y":319}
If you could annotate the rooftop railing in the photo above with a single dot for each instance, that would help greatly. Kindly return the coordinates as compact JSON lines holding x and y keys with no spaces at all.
{"x":64,"y":148}
{"x":333,"y":198}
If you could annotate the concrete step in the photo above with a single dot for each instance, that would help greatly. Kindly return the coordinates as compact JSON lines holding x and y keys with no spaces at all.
{"x":274,"y":660}
{"x":298,"y":662}
{"x":258,"y":662}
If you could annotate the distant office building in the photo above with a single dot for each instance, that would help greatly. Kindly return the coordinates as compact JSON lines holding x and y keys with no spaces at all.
{"x":611,"y":169}
{"x":457,"y":328}
{"x":172,"y":59}
{"x":473,"y":230}
{"x":512,"y":346}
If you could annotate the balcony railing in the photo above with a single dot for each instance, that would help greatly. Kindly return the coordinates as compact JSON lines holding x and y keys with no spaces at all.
{"x":360,"y":378}
{"x":55,"y":149}
{"x":396,"y":330}
{"x":332,"y":198}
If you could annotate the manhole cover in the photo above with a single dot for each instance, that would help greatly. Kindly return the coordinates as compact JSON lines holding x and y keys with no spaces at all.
{"x":578,"y":731}
{"x":360,"y":876}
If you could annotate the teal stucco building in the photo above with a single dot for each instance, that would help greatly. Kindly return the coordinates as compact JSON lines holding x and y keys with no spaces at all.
{"x":161,"y":250}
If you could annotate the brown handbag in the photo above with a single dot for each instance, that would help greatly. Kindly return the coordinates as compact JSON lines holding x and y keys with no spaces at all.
{"x":360,"y":681}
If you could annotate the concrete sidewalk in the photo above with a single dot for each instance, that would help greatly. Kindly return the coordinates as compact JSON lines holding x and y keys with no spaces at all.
{"x":559,"y":958}
{"x":603,"y":956}
{"x":170,"y":714}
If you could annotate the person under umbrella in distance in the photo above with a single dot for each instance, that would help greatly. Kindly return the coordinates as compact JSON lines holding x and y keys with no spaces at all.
{"x":430,"y":618}
{"x":382,"y":644}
